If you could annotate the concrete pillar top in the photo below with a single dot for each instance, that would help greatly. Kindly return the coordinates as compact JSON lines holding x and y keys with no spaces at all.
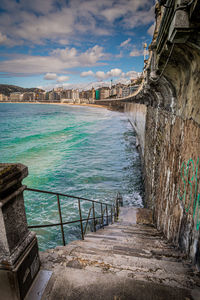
{"x":11,"y":175}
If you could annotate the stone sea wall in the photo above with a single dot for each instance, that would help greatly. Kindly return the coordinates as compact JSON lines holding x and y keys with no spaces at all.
{"x":171,"y":165}
{"x":137,"y":116}
{"x":167,"y":121}
{"x":168,"y":129}
{"x":170,"y":148}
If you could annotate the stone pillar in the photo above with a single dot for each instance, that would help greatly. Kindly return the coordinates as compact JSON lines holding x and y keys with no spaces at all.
{"x":19,"y":259}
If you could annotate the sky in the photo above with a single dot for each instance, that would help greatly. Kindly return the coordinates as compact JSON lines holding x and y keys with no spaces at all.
{"x":73,"y":43}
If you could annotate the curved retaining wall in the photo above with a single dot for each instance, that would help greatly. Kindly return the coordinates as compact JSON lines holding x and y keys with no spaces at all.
{"x":170,"y":148}
{"x":170,"y":141}
{"x":165,"y":113}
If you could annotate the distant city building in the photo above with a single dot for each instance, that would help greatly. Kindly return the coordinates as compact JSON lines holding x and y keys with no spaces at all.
{"x":119,"y":91}
{"x":104,"y":92}
{"x":128,"y":90}
{"x":40,"y":96}
{"x":89,"y":94}
{"x":17,"y":96}
{"x":69,"y":95}
{"x":125,"y":91}
{"x":3,"y":97}
{"x":119,"y":87}
{"x":46,"y":96}
{"x":28,"y":96}
{"x":75,"y":94}
{"x":66,"y":94}
{"x":58,"y":89}
{"x":97,"y":95}
{"x":116,"y":91}
{"x":113,"y":92}
{"x":133,"y":88}
{"x":93,"y":94}
{"x":53,"y":96}
{"x":82,"y":94}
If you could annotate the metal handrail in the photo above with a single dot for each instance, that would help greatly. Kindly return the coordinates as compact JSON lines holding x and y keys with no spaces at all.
{"x":114,"y":207}
{"x":65,"y":195}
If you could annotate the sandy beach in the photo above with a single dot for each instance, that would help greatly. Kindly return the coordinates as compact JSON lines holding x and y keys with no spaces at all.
{"x":61,"y":104}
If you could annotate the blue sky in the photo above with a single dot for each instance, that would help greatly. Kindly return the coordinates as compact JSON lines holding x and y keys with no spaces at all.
{"x":73,"y":43}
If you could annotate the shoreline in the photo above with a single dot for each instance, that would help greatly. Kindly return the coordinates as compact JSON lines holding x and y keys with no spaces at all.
{"x":60,"y":104}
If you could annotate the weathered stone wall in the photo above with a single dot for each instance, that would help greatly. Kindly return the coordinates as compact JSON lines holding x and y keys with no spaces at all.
{"x":171,"y":92}
{"x":170,"y":148}
{"x":173,"y":176}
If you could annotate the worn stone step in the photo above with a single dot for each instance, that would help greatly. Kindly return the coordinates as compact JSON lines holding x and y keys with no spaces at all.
{"x":149,"y":243}
{"x":124,"y":252}
{"x":141,"y":268}
{"x":76,"y":284}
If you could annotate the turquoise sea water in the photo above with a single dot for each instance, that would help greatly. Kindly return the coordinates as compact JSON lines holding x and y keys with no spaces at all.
{"x":83,"y":151}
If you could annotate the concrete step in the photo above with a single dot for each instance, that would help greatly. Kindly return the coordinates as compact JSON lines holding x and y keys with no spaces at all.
{"x":83,"y":284}
{"x":117,"y":262}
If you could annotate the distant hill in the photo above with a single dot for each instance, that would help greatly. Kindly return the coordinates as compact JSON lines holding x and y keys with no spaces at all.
{"x":7,"y":89}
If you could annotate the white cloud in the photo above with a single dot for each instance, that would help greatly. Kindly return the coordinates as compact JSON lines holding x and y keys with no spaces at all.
{"x":87,"y":73}
{"x":56,"y":62}
{"x":64,"y":54}
{"x":132,"y":74}
{"x":89,"y":57}
{"x":132,"y":12}
{"x":101,"y":75}
{"x":151,"y":29}
{"x":52,"y":20}
{"x":136,"y":52}
{"x":38,"y":6}
{"x":3,"y":38}
{"x":50,"y":76}
{"x":114,"y":73}
{"x":62,"y":78}
{"x":63,"y":41}
{"x":125,"y":43}
{"x":140,"y":17}
{"x":119,"y":55}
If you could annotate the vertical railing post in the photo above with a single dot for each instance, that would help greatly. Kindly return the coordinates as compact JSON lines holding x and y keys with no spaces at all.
{"x":94,"y":221}
{"x":117,"y":206}
{"x":115,"y":214}
{"x":81,"y":222}
{"x":111,"y":215}
{"x":61,"y":223}
{"x":120,"y":199}
{"x":107,"y":213}
{"x":102,"y":216}
{"x":87,"y":221}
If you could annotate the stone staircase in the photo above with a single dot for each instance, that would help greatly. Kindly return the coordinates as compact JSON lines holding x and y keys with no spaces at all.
{"x":129,"y":259}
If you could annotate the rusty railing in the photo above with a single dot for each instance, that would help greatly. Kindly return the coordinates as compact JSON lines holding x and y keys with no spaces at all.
{"x":103,"y":218}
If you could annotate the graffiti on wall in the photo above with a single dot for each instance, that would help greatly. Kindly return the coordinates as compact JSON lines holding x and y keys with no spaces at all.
{"x":188,"y":193}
